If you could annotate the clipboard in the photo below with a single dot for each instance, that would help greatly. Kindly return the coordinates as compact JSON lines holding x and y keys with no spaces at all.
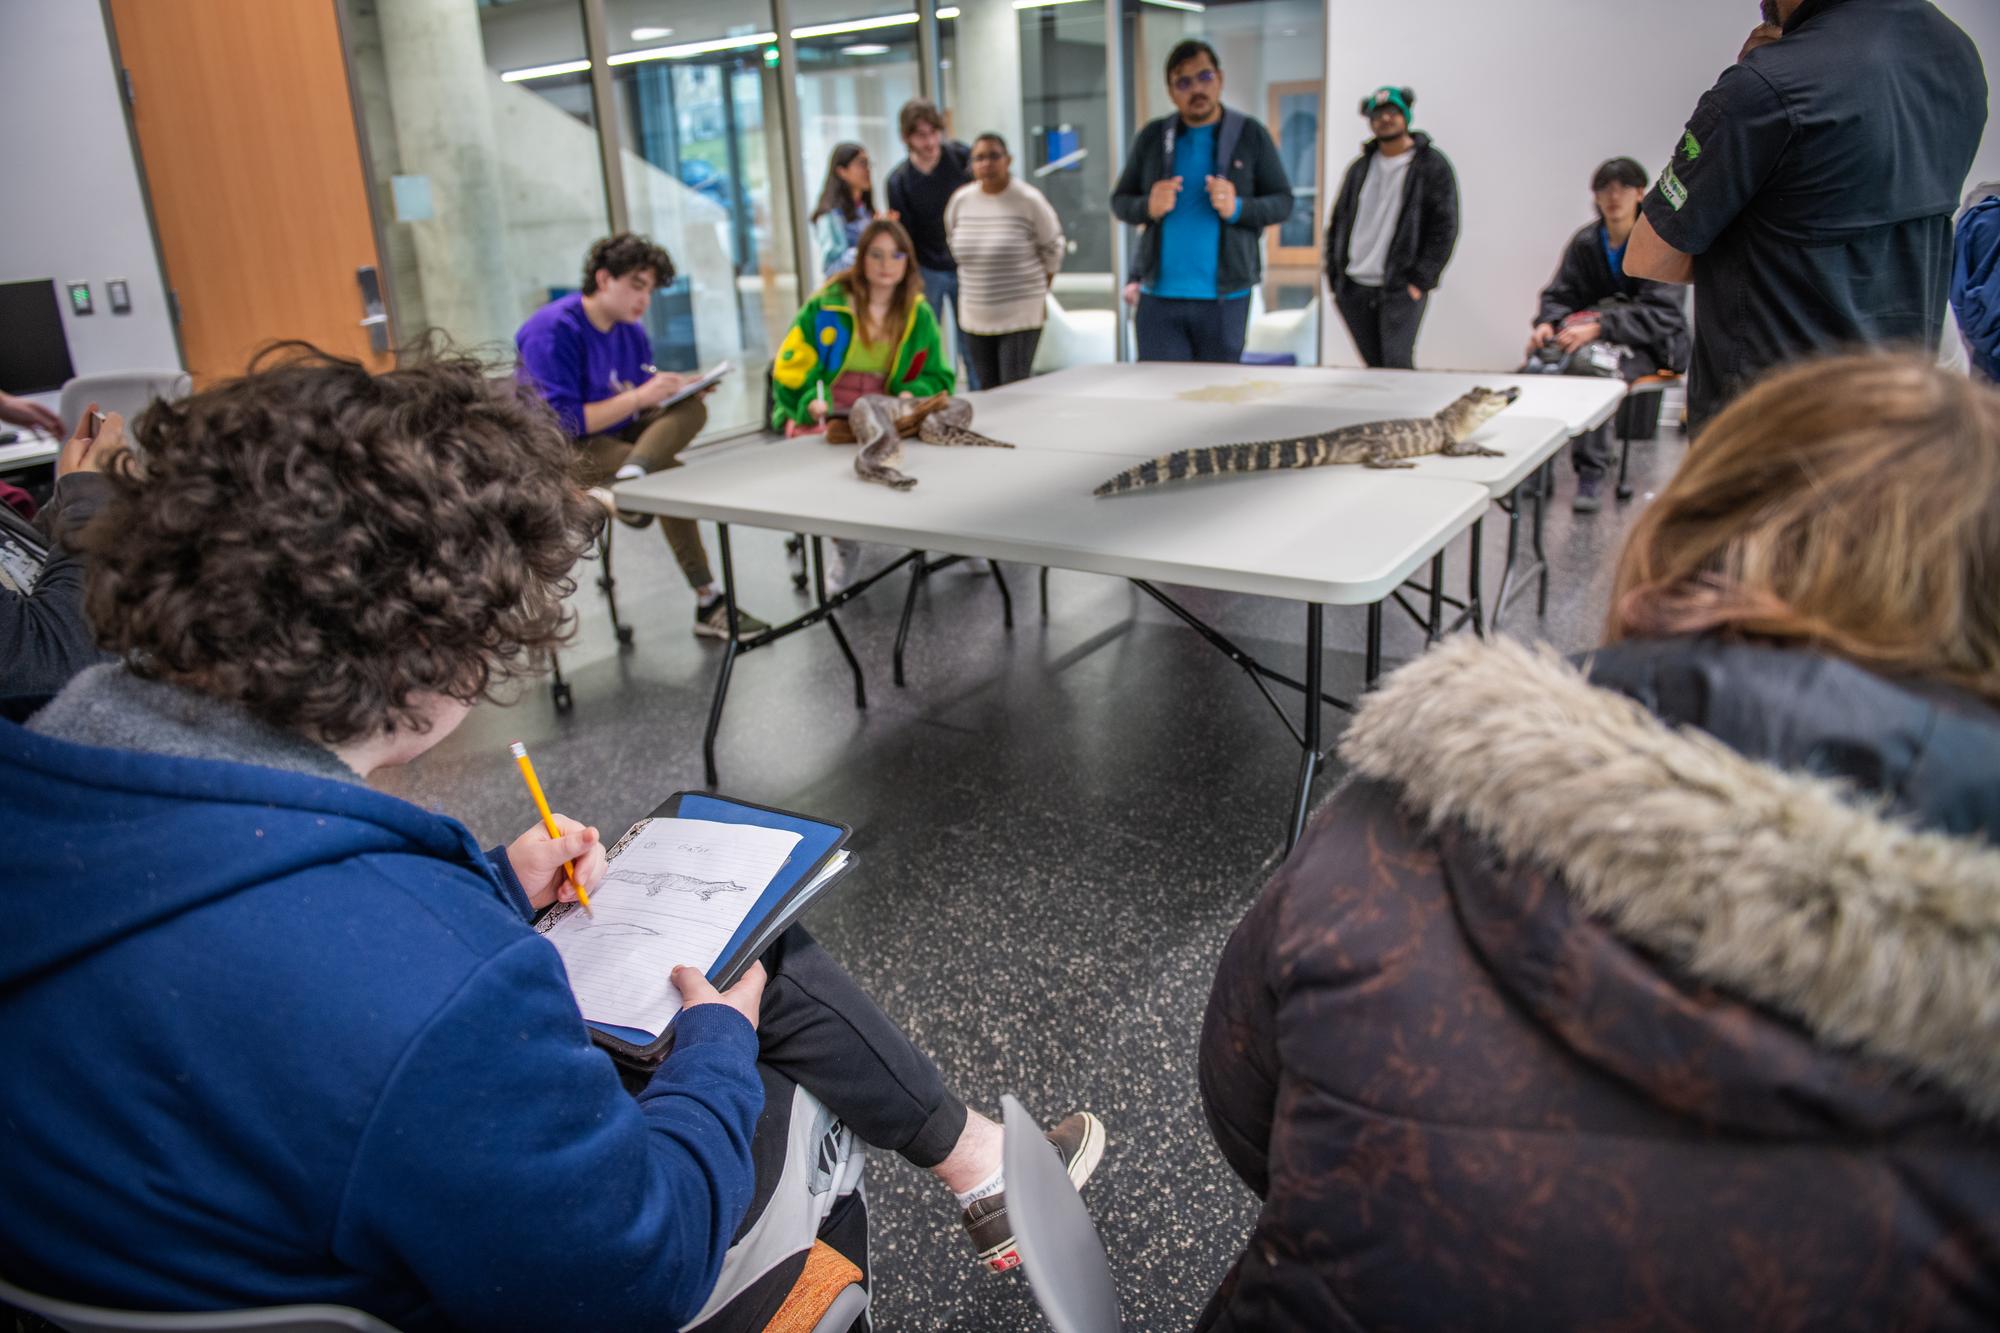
{"x":783,"y":901}
{"x":702,"y":385}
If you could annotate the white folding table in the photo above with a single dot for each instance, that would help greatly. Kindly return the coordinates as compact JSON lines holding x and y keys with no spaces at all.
{"x":1217,"y":403}
{"x":1343,"y":536}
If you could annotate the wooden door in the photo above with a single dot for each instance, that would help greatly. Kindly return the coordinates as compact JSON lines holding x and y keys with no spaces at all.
{"x":252,"y":162}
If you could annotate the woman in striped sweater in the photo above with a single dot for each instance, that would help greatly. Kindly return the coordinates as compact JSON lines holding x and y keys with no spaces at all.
{"x":1008,"y":244}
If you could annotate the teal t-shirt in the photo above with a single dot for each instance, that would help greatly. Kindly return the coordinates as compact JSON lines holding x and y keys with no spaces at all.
{"x":1191,"y":235}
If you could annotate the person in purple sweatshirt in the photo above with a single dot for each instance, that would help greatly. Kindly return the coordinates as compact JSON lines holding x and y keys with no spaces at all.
{"x":589,"y":356}
{"x":275,"y":1037}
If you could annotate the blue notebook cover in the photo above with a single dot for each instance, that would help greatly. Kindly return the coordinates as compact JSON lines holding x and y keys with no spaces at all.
{"x":816,"y":839}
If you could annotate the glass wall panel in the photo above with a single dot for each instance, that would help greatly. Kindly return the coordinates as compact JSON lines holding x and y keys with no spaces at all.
{"x":483,"y":143}
{"x":857,"y":66}
{"x":1273,"y":64}
{"x":1035,"y":72}
{"x":697,"y":108}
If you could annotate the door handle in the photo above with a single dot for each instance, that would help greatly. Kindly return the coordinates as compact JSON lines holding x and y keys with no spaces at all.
{"x":374,"y":317}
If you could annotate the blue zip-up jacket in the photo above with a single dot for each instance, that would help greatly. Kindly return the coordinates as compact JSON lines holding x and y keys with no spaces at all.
{"x":275,"y":1038}
{"x":1975,"y":284}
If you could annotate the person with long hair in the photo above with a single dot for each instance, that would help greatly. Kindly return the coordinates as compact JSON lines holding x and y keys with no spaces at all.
{"x":1595,"y":319}
{"x":276,"y":1037}
{"x":846,"y":205}
{"x":1656,"y":990}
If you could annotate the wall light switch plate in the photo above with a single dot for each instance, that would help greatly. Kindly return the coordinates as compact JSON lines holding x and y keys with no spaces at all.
{"x":119,"y":294}
{"x":79,"y":298}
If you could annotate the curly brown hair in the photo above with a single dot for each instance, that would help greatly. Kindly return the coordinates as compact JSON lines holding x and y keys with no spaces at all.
{"x":626,"y":253}
{"x":322,"y":545}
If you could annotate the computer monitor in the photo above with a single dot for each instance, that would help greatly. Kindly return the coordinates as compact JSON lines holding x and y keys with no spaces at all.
{"x":34,"y":350}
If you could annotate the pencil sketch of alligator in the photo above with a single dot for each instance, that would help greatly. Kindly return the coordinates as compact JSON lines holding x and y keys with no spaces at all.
{"x":1376,"y":444}
{"x":703,"y":889}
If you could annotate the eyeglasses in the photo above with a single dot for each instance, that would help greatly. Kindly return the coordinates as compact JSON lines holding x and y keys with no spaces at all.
{"x":987,"y":157}
{"x":1189,"y":82}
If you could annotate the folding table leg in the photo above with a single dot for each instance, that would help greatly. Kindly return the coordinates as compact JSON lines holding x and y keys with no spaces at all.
{"x":1045,"y":592}
{"x":1374,"y":660}
{"x":1436,"y":625}
{"x":1475,"y":603}
{"x":728,"y":658}
{"x":1547,"y":484}
{"x":1006,"y":597}
{"x":1309,"y":761}
{"x":839,"y":635}
{"x":918,"y":573}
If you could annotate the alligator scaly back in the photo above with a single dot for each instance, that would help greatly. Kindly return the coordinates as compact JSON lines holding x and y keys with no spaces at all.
{"x":1261,"y":456}
{"x":1375,"y":444}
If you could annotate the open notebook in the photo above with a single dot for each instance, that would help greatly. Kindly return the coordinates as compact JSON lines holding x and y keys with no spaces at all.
{"x":708,"y":882}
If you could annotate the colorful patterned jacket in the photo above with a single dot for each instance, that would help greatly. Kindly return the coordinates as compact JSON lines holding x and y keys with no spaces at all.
{"x":1657,"y":999}
{"x":817,"y":344}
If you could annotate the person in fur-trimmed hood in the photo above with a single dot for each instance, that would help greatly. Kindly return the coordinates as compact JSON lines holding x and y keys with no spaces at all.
{"x":1663,"y":991}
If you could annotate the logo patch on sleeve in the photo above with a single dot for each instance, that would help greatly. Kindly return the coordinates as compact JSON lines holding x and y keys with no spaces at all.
{"x":1672,"y":190}
{"x":1690,"y":146}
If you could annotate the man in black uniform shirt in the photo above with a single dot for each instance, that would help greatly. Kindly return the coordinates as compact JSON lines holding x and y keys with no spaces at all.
{"x":1810,"y":198}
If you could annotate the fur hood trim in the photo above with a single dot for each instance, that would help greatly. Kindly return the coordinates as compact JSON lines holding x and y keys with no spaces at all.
{"x":1787,"y":889}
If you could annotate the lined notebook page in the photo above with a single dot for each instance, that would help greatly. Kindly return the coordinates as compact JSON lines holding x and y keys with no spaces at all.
{"x":675,"y":895}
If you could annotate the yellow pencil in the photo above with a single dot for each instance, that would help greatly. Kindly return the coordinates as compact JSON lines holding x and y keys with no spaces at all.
{"x":549,"y":821}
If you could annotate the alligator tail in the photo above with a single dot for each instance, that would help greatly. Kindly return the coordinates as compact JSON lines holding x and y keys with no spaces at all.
{"x":1264,"y":456}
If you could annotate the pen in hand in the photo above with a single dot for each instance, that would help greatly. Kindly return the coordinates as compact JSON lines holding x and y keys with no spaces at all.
{"x":520,"y":752}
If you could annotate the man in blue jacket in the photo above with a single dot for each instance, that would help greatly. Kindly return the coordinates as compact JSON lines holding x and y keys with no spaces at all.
{"x":273,"y":1037}
{"x":1204,"y":183}
{"x":1975,"y":279}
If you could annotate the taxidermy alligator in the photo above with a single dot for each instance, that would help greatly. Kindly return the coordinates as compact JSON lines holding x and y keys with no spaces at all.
{"x":1377,"y":444}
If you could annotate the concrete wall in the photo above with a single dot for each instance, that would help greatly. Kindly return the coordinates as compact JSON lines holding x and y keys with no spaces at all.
{"x":1527,"y":99}
{"x":71,"y":207}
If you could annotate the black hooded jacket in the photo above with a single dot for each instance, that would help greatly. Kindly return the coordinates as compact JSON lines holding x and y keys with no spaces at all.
{"x":1426,"y":232}
{"x":1644,"y":315}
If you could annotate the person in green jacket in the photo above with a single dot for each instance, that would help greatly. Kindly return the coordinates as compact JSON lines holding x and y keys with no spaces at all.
{"x":869,"y":333}
{"x":865,"y":343}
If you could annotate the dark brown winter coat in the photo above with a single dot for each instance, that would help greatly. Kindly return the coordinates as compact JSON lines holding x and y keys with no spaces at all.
{"x":1571,"y":1013}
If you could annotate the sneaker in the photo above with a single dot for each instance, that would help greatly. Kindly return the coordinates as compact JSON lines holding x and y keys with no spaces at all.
{"x":1588,"y":500}
{"x":712,"y":620}
{"x":1079,"y":1142}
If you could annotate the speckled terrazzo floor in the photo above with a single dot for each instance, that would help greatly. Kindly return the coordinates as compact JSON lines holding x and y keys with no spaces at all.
{"x":1058,"y":826}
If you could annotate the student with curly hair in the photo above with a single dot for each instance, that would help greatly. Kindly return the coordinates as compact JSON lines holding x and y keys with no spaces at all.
{"x":275,"y":1037}
{"x":589,"y":356}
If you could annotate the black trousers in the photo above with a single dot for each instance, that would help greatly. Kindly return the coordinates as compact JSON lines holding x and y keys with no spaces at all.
{"x":1383,"y":323}
{"x":819,"y":1030}
{"x":1001,"y":358}
{"x":1591,"y":454}
{"x":1171,"y":329}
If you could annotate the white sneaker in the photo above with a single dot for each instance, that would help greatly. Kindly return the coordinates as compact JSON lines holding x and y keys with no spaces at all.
{"x":836,"y":564}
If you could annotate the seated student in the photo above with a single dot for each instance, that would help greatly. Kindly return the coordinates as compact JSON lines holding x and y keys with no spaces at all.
{"x":45,"y":637}
{"x":865,"y":341}
{"x":1659,"y":993}
{"x":272,"y":1036}
{"x":592,"y":361}
{"x":1594,"y":320}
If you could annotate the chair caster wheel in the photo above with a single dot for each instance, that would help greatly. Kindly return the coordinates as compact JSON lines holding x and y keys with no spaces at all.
{"x":564,"y":699}
{"x":1624,"y":493}
{"x":798,"y":583}
{"x":625,"y":636}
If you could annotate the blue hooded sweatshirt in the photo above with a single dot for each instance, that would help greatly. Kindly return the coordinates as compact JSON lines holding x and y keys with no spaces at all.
{"x":272,"y":1038}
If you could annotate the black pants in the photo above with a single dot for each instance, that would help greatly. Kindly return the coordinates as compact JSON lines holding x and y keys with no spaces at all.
{"x":1590,"y":454}
{"x":1001,"y":358}
{"x":819,"y":1031}
{"x":1170,"y":329}
{"x":1383,"y":323}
